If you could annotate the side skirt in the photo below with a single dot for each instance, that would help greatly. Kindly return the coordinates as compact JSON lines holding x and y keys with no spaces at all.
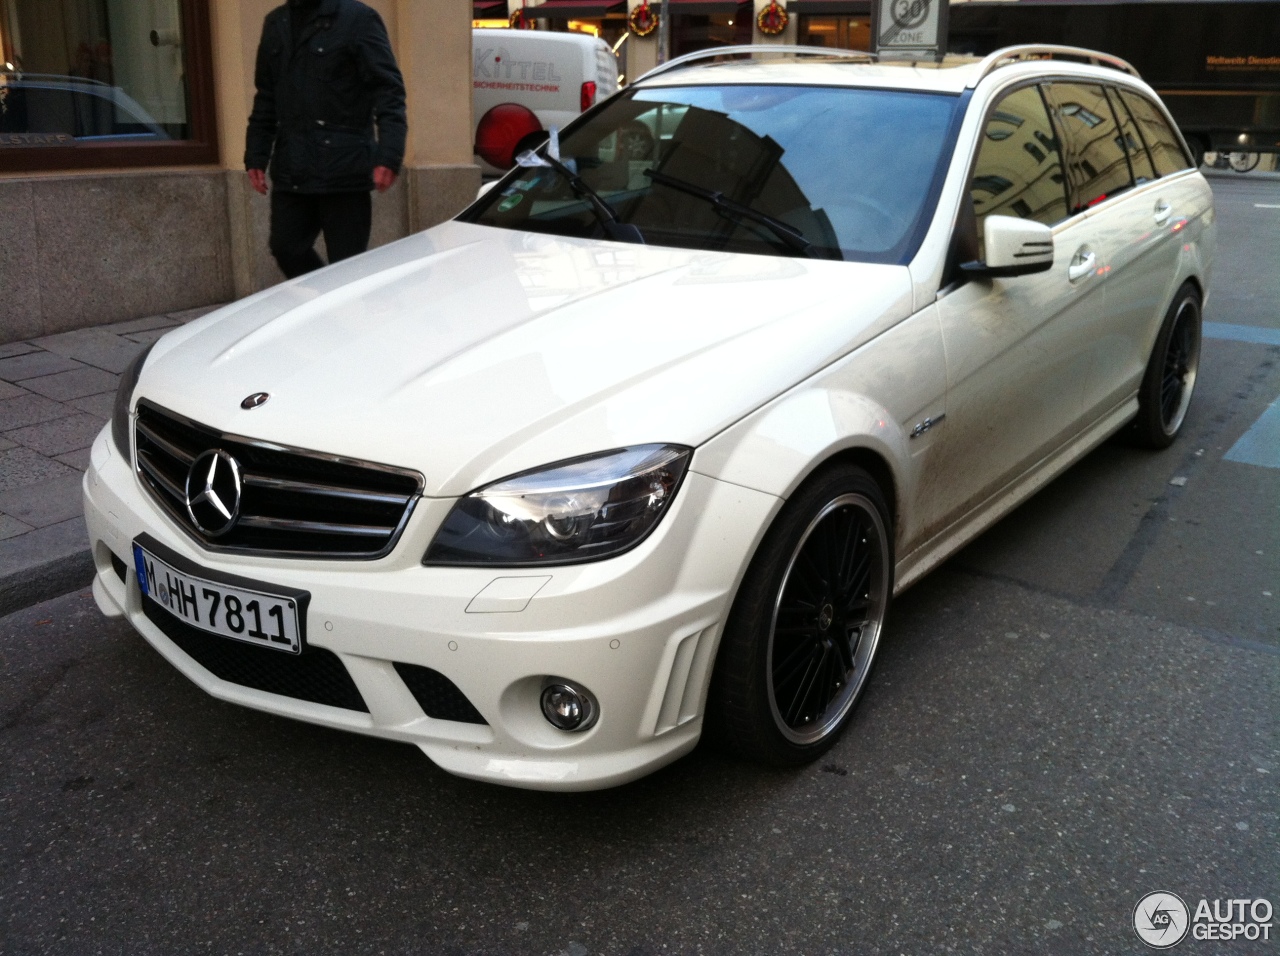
{"x":951,"y":539}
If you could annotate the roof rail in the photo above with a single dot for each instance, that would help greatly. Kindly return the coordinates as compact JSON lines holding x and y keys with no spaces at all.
{"x":1040,"y":51}
{"x":681,"y":62}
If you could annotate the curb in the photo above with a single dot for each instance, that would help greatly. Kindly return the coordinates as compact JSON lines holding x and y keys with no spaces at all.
{"x":50,"y":580}
{"x":44,"y":564}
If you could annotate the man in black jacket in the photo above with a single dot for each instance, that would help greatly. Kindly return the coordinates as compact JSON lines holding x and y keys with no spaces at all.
{"x":326,"y":77}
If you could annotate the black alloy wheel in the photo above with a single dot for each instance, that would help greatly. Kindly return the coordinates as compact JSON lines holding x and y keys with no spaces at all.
{"x":1170,"y":378}
{"x":803,"y":633}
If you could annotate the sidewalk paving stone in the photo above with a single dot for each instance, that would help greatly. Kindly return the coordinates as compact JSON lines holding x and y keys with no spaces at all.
{"x":30,"y":410}
{"x":11,"y":527}
{"x":190,"y":315}
{"x":142,"y":325}
{"x":5,"y":444}
{"x":60,"y":436}
{"x":16,"y":348}
{"x":34,"y":364}
{"x":10,"y":391}
{"x":22,"y":466}
{"x":75,"y":384}
{"x":90,"y":346}
{"x":102,"y":405}
{"x":78,"y":459}
{"x":44,"y":503}
{"x":151,"y":335}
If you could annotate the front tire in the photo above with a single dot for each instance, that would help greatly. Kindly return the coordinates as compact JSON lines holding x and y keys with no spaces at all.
{"x":803,"y":632}
{"x":1170,"y":378}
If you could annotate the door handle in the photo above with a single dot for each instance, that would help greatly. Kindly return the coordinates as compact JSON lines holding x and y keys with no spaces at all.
{"x":1163,"y":212}
{"x":1081,"y":265}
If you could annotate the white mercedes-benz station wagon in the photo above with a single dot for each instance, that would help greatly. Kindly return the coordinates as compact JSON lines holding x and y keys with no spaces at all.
{"x":645,"y":440}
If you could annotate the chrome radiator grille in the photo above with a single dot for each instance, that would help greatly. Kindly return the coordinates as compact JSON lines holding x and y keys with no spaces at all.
{"x":292,"y":503}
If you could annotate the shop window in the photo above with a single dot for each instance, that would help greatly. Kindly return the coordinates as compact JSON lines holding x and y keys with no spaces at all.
{"x":837,"y":32}
{"x":693,"y":32}
{"x":94,"y":83}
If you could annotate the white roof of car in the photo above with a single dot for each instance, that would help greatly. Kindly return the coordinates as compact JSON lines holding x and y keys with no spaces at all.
{"x":817,"y":66}
{"x":951,"y":78}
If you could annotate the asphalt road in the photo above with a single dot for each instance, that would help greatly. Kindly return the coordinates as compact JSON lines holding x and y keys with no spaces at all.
{"x":1080,"y":708}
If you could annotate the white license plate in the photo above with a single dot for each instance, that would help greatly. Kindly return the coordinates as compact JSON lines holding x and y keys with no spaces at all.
{"x":255,"y":617}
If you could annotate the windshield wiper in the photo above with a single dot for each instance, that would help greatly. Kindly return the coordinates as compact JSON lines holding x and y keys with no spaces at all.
{"x":789,"y":235}
{"x":605,"y":214}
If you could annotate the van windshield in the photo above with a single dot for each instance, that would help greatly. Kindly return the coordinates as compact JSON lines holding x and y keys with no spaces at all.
{"x":827,"y":172}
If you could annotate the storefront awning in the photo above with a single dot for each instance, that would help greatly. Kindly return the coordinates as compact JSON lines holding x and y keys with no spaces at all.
{"x":830,"y":8}
{"x":575,"y":9}
{"x":701,"y":6}
{"x":489,"y":10}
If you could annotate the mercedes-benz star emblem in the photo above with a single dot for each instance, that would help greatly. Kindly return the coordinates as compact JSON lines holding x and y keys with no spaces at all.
{"x":213,"y":492}
{"x":254,"y":400}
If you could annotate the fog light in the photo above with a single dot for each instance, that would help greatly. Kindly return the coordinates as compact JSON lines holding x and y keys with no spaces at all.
{"x":567,"y":706}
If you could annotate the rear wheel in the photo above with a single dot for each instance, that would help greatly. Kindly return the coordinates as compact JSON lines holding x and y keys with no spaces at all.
{"x":1170,"y":378}
{"x":803,"y":632}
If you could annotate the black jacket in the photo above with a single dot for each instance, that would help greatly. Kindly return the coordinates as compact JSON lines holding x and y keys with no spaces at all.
{"x":318,"y":102}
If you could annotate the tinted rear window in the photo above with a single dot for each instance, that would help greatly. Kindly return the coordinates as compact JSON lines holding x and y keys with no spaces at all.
{"x":1139,"y":160}
{"x":1166,"y":151}
{"x":1097,"y":166}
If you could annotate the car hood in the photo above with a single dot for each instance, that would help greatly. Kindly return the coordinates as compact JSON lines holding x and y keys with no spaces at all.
{"x":470,"y":353}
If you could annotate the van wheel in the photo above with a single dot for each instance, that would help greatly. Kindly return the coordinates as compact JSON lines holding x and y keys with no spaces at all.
{"x":803,"y":632}
{"x":1170,"y":378}
{"x":531,"y":141}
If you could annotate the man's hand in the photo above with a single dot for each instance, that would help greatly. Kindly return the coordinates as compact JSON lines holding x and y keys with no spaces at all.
{"x":258,"y":180}
{"x":383,"y":177}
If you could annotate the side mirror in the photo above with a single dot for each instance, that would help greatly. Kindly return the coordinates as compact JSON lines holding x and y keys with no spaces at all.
{"x":1015,"y":247}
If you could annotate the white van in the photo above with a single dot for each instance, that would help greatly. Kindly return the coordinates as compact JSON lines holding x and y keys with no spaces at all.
{"x":526,"y":81}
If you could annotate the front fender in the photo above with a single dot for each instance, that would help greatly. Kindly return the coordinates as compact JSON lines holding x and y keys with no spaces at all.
{"x":870,"y":402}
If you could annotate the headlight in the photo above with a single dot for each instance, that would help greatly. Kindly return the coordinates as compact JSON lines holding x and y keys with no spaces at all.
{"x":577,"y":510}
{"x":124,"y":398}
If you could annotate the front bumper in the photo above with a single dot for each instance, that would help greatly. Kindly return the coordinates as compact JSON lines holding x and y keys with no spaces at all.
{"x":639,"y":631}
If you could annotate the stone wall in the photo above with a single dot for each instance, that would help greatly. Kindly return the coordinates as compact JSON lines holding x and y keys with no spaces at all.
{"x":87,"y":248}
{"x":80,"y":249}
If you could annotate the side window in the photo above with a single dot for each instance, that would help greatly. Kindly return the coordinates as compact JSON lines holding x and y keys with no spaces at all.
{"x":1097,"y":165}
{"x":1166,"y":151}
{"x":1019,"y":170}
{"x":1130,"y":140}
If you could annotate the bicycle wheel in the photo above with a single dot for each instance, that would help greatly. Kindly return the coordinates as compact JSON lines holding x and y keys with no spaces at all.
{"x":1243,"y":162}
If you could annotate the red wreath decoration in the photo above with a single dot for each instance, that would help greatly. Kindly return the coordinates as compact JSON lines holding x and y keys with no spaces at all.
{"x":643,"y":20}
{"x":519,"y":20}
{"x":772,"y":20}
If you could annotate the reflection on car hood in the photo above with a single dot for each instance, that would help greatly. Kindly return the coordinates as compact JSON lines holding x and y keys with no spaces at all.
{"x":470,"y":353}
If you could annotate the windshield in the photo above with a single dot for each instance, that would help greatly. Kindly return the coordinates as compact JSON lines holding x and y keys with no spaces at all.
{"x":831,"y":172}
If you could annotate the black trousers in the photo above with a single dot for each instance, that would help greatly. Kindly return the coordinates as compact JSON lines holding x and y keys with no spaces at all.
{"x":297,"y":219}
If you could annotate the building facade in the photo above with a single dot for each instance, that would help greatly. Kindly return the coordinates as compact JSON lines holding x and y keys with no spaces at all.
{"x":122,"y":125}
{"x":695,"y":24}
